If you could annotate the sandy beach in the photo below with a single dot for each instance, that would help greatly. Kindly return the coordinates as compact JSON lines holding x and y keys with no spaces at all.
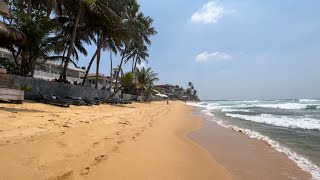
{"x":138,"y":141}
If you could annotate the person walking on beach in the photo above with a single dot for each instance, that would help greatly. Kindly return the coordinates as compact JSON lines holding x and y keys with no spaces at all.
{"x":167,"y":101}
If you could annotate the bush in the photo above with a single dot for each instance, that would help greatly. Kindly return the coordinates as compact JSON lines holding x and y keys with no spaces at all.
{"x":26,"y":88}
{"x":9,"y":65}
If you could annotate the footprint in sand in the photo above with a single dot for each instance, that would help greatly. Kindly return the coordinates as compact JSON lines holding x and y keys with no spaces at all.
{"x":61,"y":144}
{"x":107,"y":138}
{"x":95,"y":144}
{"x":115,"y":148}
{"x":99,"y":159}
{"x":126,"y":123}
{"x":133,"y":138}
{"x":84,"y":171}
{"x":117,"y":133}
{"x":64,"y":176}
{"x":120,"y":142}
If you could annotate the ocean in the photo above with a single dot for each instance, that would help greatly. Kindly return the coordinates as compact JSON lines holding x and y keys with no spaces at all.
{"x":291,"y":126}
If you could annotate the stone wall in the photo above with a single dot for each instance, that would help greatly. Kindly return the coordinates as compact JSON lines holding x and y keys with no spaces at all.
{"x":61,"y":89}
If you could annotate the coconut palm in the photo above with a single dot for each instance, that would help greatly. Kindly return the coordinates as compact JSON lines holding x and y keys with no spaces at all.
{"x":138,"y":53}
{"x":108,"y":34}
{"x":140,"y":31}
{"x":145,"y":78}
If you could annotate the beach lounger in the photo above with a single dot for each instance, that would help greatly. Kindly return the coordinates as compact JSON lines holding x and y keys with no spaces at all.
{"x":91,"y":101}
{"x":47,"y":99}
{"x":122,"y":101}
{"x":111,"y":101}
{"x":77,"y":101}
{"x":64,"y":99}
{"x":96,"y":101}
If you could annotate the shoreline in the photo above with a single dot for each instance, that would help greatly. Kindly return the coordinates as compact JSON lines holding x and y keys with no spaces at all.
{"x":243,"y":156}
{"x":138,"y":141}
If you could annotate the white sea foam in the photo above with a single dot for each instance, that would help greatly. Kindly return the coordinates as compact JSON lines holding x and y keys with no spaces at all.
{"x":285,"y":106}
{"x":234,"y":110}
{"x":308,"y":100}
{"x":283,"y":121}
{"x":301,"y":161}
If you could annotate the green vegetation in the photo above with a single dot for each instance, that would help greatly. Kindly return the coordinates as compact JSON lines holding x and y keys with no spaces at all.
{"x":26,"y":88}
{"x":192,"y":92}
{"x":58,"y":30}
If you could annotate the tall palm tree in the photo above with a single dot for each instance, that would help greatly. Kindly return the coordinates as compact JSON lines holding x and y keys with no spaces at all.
{"x":113,"y":48}
{"x":140,"y":31}
{"x":108,"y":34}
{"x":79,"y":7}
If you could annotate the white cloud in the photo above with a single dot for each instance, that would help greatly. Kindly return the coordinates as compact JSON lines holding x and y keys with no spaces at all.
{"x":215,"y":56}
{"x":210,"y":12}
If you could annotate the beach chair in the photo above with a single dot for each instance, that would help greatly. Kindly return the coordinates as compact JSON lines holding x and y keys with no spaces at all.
{"x":47,"y":99}
{"x":94,"y":101}
{"x":77,"y":101}
{"x":91,"y":101}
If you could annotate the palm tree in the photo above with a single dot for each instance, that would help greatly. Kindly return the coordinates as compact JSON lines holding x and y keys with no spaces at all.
{"x":139,"y":31}
{"x":138,"y":53}
{"x":37,"y":29}
{"x":82,"y":11}
{"x":145,"y":79}
{"x":113,"y":48}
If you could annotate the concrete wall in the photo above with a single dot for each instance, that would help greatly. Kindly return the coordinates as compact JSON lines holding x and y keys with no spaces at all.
{"x":60,"y":89}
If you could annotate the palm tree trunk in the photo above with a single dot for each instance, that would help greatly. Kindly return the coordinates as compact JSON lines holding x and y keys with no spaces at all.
{"x":133,"y":62}
{"x":117,"y":89}
{"x":135,"y":66}
{"x":89,"y":66}
{"x":63,"y":74}
{"x":119,"y":68}
{"x":110,"y":64}
{"x":97,"y":70}
{"x":29,"y":10}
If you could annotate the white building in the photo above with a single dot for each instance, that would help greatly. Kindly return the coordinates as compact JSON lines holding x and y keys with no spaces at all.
{"x":104,"y":82}
{"x":49,"y":70}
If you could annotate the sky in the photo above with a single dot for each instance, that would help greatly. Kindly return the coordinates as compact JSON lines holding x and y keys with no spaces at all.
{"x":232,"y":49}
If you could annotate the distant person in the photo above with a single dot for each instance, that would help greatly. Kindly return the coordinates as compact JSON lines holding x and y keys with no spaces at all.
{"x":167,"y":101}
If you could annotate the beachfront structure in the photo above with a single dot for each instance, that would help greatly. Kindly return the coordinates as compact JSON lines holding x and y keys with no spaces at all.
{"x":49,"y":70}
{"x":104,"y":82}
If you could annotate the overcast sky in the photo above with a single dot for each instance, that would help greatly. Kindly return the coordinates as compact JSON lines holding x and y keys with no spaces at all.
{"x":231,"y":49}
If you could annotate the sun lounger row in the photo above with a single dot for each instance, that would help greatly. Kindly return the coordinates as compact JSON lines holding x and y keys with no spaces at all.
{"x":115,"y":101}
{"x":77,"y":101}
{"x":66,"y":102}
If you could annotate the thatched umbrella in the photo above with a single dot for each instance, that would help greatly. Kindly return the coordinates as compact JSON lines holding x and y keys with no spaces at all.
{"x":8,"y":34}
{"x":4,"y":10}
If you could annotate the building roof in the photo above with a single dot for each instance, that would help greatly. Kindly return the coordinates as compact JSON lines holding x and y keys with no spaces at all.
{"x":100,"y":76}
{"x":71,"y":68}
